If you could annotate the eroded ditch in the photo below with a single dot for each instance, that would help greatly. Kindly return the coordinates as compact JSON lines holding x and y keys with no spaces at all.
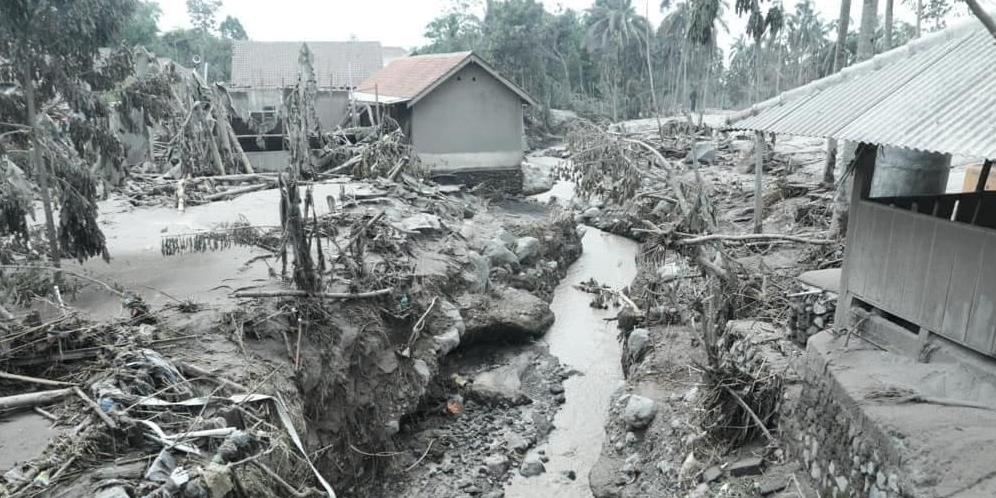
{"x":533,"y":411}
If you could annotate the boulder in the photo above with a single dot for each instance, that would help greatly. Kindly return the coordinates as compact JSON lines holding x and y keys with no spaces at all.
{"x":447,"y":341}
{"x":505,"y":237}
{"x":704,"y":152}
{"x":639,"y":412}
{"x":591,"y":213}
{"x":445,"y":316}
{"x":478,"y":278}
{"x":750,"y":466}
{"x":422,"y":369}
{"x":112,"y":492}
{"x":527,"y":248}
{"x":537,"y":175}
{"x":532,"y":465}
{"x":418,"y":222}
{"x":637,"y":342}
{"x":505,"y":314}
{"x":497,"y":464}
{"x":501,"y":385}
{"x":499,"y":255}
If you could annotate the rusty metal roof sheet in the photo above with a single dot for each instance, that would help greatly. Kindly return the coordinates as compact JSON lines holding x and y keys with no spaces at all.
{"x":408,"y":79}
{"x":338,"y":64}
{"x":935,"y":94}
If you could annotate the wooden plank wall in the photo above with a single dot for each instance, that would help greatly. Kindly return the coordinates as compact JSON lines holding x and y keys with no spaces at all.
{"x":927,"y":270}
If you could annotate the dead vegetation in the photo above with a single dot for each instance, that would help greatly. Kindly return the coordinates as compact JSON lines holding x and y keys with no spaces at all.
{"x":705,"y":266}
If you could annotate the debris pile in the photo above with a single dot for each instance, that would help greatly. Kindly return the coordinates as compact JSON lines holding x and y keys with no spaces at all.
{"x":703,"y":268}
{"x":810,"y":312}
{"x":142,"y":425}
{"x":186,"y":122}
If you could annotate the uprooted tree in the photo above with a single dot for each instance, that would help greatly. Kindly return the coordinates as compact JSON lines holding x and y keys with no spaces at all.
{"x":54,"y":126}
{"x":301,"y":121}
{"x":187,"y":121}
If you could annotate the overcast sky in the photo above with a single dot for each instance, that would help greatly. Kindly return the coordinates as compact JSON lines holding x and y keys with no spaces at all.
{"x":402,"y":22}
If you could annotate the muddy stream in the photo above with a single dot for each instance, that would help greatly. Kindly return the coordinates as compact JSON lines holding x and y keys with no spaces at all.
{"x":584,"y":341}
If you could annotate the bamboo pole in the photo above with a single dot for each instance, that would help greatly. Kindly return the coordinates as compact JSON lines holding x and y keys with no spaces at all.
{"x":758,"y":184}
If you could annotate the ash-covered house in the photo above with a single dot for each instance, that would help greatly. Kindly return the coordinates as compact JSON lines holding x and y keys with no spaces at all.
{"x":261,"y":71}
{"x":916,"y":316}
{"x":463,"y":117}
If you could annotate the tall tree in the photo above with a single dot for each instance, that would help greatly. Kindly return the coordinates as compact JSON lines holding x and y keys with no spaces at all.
{"x":202,"y":14}
{"x":613,"y":24}
{"x":866,"y":35}
{"x":143,"y":26}
{"x":615,"y":33}
{"x":888,"y":24}
{"x":231,"y":28}
{"x":839,"y":59}
{"x":50,"y":48}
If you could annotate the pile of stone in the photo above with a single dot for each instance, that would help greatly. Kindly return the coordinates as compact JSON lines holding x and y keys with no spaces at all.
{"x":810,"y":312}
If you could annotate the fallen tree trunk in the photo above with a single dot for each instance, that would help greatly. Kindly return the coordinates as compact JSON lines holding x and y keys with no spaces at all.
{"x":319,"y":295}
{"x":236,"y":178}
{"x":33,"y":399}
{"x":754,"y":236}
{"x":33,"y":380}
{"x":237,"y":191}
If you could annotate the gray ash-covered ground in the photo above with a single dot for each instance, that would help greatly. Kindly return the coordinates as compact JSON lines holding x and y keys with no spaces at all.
{"x":351,"y":374}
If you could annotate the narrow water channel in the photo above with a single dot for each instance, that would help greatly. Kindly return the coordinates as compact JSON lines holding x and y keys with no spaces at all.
{"x":584,"y":341}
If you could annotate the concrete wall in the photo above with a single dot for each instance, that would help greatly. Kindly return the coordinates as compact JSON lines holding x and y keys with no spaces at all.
{"x":274,"y":161}
{"x":471,"y":121}
{"x":331,"y":105}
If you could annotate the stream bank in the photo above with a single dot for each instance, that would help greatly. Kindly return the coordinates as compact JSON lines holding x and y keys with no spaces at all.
{"x":350,"y":377}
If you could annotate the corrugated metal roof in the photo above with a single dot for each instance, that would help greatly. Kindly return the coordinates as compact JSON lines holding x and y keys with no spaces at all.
{"x":274,"y":64}
{"x":936,"y":94}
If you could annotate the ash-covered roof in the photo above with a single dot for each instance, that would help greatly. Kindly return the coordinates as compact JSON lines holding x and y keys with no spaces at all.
{"x":934,"y":94}
{"x":408,"y":79}
{"x":338,"y":64}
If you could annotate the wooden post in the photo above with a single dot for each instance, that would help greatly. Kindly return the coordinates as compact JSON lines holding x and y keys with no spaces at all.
{"x":984,"y":176}
{"x":980,"y":188}
{"x":864,"y":170}
{"x":758,"y":184}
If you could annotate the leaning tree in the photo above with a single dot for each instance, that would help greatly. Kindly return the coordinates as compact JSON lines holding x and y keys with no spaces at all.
{"x":54,"y":121}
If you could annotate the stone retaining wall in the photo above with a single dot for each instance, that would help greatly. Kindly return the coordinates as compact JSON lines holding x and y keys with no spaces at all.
{"x":844,"y":452}
{"x":822,"y":425}
{"x":504,"y":180}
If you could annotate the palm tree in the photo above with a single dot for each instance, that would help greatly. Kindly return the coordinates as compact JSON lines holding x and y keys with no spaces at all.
{"x":866,"y":35}
{"x":888,"y":24}
{"x":839,"y":58}
{"x":613,"y":24}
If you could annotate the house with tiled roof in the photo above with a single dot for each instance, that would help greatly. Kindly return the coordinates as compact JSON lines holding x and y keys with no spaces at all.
{"x":262,"y":70}
{"x":463,"y":117}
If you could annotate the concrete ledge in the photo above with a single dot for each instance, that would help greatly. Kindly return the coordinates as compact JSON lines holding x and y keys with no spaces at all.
{"x":858,"y":436}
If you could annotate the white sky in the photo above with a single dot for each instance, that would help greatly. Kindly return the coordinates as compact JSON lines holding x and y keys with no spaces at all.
{"x":402,"y":22}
